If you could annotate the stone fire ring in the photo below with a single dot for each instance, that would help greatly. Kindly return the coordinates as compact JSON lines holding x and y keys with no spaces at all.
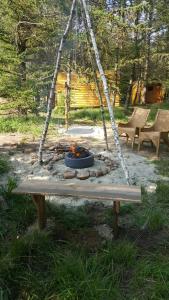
{"x":79,"y":163}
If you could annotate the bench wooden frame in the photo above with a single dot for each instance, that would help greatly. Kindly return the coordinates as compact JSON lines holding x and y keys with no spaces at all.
{"x":38,"y":189}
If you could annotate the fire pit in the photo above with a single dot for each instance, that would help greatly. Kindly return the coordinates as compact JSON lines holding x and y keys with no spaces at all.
{"x":79,"y":158}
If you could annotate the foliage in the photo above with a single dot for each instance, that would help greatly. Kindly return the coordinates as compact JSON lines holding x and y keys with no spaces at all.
{"x":132,"y":38}
{"x":29,"y":32}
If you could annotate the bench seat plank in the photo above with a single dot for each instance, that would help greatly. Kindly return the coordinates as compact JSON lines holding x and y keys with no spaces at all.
{"x":90,"y":190}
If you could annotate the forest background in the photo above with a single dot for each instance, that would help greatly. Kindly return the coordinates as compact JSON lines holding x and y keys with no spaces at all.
{"x":132,"y":37}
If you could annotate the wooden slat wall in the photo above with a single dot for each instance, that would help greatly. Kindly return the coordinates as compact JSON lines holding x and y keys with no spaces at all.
{"x":154,"y":93}
{"x":82,"y":94}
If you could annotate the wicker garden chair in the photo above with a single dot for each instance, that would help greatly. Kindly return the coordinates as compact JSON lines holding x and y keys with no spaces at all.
{"x":135,"y":124}
{"x":159,"y":130}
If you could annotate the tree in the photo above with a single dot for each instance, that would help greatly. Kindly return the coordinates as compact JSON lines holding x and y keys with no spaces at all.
{"x":29,"y":34}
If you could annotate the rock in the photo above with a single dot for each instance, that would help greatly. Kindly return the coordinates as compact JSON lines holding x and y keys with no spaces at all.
{"x":92,"y":174}
{"x":61,"y":156}
{"x":105,"y":232}
{"x":108,"y":162}
{"x":151,"y":188}
{"x":33,"y":161}
{"x":102,"y":157}
{"x":34,"y":156}
{"x":99,"y":173}
{"x":47,"y":160}
{"x":108,"y":169}
{"x":82,"y":175}
{"x":55,"y":173}
{"x":50,"y":167}
{"x":114,"y":167}
{"x":52,"y":148}
{"x":56,"y":158}
{"x":61,"y":177}
{"x":104,"y":170}
{"x":10,"y":152}
{"x":69,"y":174}
{"x":98,"y":156}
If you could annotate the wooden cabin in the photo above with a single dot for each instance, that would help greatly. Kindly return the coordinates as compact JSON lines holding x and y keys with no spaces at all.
{"x":83,"y":92}
{"x":152,"y":93}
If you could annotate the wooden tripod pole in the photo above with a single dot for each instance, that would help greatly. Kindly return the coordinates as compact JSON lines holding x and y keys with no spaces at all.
{"x":97,"y":85}
{"x":106,"y":92}
{"x":54,"y":83}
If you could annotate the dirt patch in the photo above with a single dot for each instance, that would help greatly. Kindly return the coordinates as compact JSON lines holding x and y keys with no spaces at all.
{"x":87,"y":238}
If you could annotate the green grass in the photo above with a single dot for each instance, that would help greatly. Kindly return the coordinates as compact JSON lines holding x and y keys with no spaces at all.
{"x":162,"y":166}
{"x":151,"y":278}
{"x":34,"y":124}
{"x":4,"y":165}
{"x":93,"y":115}
{"x":30,"y":124}
{"x":62,"y":263}
{"x":154,"y":108}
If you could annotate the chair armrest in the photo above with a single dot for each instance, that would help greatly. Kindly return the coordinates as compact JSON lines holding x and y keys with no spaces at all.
{"x":123,"y":124}
{"x":146,"y":129}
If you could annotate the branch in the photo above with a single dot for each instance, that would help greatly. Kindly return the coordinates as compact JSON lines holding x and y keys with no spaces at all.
{"x":10,"y":72}
{"x":29,"y":23}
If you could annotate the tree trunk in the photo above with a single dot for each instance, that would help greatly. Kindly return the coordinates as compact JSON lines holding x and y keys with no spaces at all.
{"x":54,"y":83}
{"x":106,"y":92}
{"x":129,"y":94}
{"x":67,"y":98}
{"x":148,"y":44}
{"x":115,"y":92}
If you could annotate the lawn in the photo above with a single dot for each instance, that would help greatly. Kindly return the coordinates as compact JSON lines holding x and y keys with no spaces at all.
{"x":91,"y":116}
{"x":26,"y":125}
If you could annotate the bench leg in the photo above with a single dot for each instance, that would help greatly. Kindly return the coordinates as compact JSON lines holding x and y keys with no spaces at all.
{"x":39,"y":201}
{"x":116,"y":210}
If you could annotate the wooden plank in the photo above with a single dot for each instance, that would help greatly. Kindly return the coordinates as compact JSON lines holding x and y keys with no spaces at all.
{"x":91,"y":191}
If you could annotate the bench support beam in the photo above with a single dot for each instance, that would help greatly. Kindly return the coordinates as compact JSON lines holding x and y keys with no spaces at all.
{"x":39,"y":201}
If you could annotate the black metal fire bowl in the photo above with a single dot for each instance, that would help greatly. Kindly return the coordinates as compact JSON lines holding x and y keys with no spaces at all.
{"x":79,"y":162}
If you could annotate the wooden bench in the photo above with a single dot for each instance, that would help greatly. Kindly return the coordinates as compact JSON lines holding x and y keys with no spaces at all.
{"x":38,"y":189}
